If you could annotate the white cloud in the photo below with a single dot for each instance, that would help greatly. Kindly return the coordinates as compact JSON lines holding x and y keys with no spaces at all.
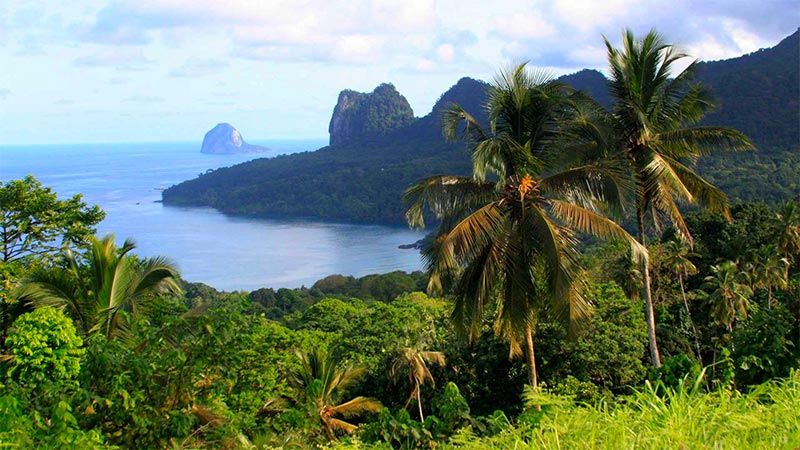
{"x":425,"y":65}
{"x":588,"y":56}
{"x":446,"y":53}
{"x":358,"y":49}
{"x":524,"y":26}
{"x":589,"y":15}
{"x":735,"y":40}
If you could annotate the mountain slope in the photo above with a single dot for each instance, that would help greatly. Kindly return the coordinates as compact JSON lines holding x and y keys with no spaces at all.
{"x":363,"y":181}
{"x":758,"y":94}
{"x":357,"y":182}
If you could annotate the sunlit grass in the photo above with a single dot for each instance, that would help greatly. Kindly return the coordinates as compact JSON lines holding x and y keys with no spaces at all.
{"x":683,"y":418}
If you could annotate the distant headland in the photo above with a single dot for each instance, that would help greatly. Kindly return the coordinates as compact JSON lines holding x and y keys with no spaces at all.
{"x":225,"y":139}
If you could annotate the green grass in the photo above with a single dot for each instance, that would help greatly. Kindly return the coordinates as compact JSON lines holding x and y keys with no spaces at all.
{"x":683,"y":418}
{"x":768,"y":417}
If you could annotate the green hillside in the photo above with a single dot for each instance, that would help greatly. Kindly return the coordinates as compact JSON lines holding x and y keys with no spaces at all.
{"x":363,"y":181}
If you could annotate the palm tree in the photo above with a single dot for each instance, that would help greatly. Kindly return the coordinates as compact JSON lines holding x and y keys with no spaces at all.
{"x":510,"y":244}
{"x":321,"y":383}
{"x":625,"y":272}
{"x":655,"y":110}
{"x":416,"y":362}
{"x":729,"y":293}
{"x":104,"y":295}
{"x":768,"y":270}
{"x":677,"y":261}
{"x":788,"y":230}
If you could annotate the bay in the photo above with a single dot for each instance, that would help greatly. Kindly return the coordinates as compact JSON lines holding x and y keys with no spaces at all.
{"x":228,"y":253}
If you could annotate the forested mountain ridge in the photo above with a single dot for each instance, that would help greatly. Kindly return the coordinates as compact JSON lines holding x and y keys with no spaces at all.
{"x":362,"y":181}
{"x":758,"y":94}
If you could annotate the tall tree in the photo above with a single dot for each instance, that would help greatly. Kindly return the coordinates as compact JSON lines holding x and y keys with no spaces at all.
{"x":656,"y":109}
{"x":677,"y":261}
{"x":787,"y":226}
{"x":767,"y":270}
{"x":321,"y":383}
{"x":108,"y":292}
{"x":416,"y":363}
{"x":509,"y":245}
{"x":34,"y":222}
{"x":729,"y":293}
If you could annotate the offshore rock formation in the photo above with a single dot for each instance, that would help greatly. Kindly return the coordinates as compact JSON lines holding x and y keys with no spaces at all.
{"x":225,"y":139}
{"x":359,"y":116}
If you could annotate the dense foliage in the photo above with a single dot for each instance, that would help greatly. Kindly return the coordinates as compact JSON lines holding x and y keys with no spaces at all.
{"x":34,"y":222}
{"x":211,"y":369}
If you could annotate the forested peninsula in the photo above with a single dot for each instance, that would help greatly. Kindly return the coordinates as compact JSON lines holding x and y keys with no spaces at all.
{"x":361,"y":176}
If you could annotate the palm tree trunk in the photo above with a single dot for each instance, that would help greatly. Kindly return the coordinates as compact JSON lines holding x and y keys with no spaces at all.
{"x":649,"y":315}
{"x":691,"y":322}
{"x":419,"y":405}
{"x":769,"y":297}
{"x":531,"y":360}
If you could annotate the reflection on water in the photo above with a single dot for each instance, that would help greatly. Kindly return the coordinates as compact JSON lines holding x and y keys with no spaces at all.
{"x":230,"y":253}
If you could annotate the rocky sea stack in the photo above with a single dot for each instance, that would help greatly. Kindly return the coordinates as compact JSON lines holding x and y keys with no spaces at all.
{"x":359,"y":116}
{"x":225,"y":139}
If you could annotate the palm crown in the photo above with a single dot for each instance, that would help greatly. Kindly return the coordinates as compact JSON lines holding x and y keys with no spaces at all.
{"x":106,"y":295}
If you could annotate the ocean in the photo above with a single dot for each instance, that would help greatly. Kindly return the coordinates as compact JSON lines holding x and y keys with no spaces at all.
{"x":228,"y":253}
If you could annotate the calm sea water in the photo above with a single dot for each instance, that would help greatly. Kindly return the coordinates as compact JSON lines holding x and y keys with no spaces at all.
{"x":229,"y":253}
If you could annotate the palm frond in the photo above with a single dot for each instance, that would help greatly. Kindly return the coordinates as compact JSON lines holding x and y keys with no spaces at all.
{"x":60,"y":289}
{"x":456,"y":120}
{"x":443,"y":195}
{"x":660,"y":178}
{"x":703,"y":192}
{"x":702,"y":141}
{"x":357,"y":406}
{"x":597,"y":225}
{"x":341,"y":426}
{"x":556,"y":246}
{"x":603,"y":185}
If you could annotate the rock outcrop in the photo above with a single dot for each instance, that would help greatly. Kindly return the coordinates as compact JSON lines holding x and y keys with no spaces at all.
{"x":225,"y":139}
{"x":359,"y":116}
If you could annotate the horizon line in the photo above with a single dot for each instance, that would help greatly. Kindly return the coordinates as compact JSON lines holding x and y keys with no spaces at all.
{"x":7,"y":145}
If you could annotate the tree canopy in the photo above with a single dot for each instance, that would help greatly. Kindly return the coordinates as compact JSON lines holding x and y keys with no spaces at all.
{"x":35,"y":222}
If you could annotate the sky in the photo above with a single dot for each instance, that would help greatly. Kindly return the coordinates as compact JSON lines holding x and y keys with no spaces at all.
{"x":96,"y":71}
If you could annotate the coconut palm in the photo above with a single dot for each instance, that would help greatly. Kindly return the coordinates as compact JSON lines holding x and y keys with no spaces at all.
{"x":509,"y":245}
{"x":677,"y":261}
{"x":768,"y":270}
{"x":729,"y":293}
{"x":625,"y":272}
{"x":321,"y":383}
{"x":655,"y":112}
{"x":416,"y":363}
{"x":787,"y":224}
{"x":107,"y":294}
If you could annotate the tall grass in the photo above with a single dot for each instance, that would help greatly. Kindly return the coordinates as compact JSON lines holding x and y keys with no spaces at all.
{"x":659,"y":418}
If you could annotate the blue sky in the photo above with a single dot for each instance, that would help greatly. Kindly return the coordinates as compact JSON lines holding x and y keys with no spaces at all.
{"x":169,"y":70}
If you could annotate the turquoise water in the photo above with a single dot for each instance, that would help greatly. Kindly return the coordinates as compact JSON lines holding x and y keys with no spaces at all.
{"x":229,"y":253}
